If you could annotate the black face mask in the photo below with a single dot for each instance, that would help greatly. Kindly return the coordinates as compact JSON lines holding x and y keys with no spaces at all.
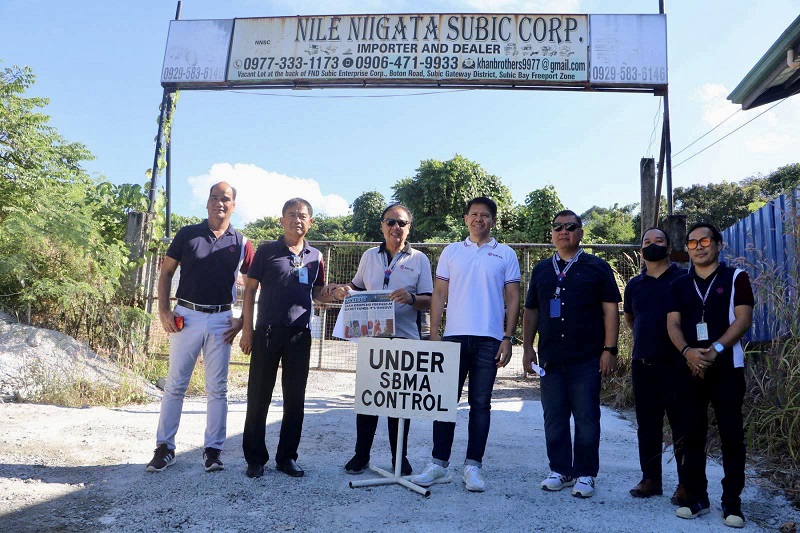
{"x":654,"y":252}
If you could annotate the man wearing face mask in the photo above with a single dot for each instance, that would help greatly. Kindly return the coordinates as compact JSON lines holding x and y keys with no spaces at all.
{"x":658,"y":370}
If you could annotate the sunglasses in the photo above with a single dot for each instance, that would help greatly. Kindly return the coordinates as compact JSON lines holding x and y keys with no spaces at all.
{"x":391,"y":222}
{"x":705,"y":242}
{"x":569,"y":226}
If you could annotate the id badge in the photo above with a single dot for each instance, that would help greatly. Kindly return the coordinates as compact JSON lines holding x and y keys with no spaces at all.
{"x":302,"y":275}
{"x":555,"y":308}
{"x":702,"y":331}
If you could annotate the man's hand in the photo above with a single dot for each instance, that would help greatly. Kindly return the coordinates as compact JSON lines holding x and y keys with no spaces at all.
{"x":246,"y":341}
{"x":231,"y":332}
{"x":529,"y":356}
{"x":608,"y":364}
{"x":503,"y":353}
{"x":401,"y":296}
{"x":699,"y":359}
{"x":167,"y":319}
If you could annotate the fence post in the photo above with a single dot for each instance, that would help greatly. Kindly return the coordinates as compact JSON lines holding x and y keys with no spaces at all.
{"x":324,"y":316}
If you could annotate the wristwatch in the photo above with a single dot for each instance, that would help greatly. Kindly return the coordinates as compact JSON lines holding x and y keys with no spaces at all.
{"x":613,"y":350}
{"x":510,"y":338}
{"x":718,"y":347}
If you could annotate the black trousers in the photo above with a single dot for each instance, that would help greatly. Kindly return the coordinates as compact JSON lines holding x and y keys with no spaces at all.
{"x":291,"y":347}
{"x":724,"y":388}
{"x":657,"y":383}
{"x":365,"y":434}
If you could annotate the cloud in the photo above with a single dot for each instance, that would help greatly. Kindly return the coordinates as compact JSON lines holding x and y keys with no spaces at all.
{"x":770,"y":142}
{"x":261,"y":193}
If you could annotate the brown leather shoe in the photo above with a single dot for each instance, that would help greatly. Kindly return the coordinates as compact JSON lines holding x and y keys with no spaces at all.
{"x":646,"y":488}
{"x":679,"y":496}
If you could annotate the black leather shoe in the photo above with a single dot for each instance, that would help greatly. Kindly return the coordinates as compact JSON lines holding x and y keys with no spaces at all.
{"x":290,"y":468}
{"x":356,"y":465}
{"x":254,"y":470}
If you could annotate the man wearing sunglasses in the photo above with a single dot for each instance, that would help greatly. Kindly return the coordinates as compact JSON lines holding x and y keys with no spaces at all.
{"x":395,"y":266}
{"x":472,"y":278}
{"x":291,"y":273}
{"x":710,"y":310}
{"x":658,"y":372}
{"x":572,"y":302}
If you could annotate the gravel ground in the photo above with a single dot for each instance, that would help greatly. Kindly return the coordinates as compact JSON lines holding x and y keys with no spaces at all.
{"x":83,"y":469}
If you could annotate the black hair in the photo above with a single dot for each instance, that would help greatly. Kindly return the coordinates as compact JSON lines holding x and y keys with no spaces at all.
{"x":484,"y":200}
{"x":399,"y":206}
{"x":666,"y":235}
{"x":715,"y":233}
{"x":569,"y":212}
{"x":297,"y":201}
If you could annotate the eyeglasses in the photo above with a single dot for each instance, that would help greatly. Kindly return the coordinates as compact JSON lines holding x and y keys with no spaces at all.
{"x":391,"y":222}
{"x":705,"y":242}
{"x":569,"y":226}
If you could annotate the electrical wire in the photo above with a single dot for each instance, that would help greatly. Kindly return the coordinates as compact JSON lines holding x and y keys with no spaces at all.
{"x":706,"y":133}
{"x":731,"y":132}
{"x":648,"y":153}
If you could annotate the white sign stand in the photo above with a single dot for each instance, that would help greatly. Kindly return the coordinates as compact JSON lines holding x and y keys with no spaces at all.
{"x":429,"y":369}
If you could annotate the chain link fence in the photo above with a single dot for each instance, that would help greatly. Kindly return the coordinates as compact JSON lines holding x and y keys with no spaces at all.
{"x":341,"y":263}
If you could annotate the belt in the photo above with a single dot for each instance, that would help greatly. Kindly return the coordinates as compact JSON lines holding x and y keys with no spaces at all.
{"x":204,"y":308}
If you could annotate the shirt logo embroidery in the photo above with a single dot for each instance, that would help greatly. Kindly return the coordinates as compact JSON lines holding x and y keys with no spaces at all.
{"x":403,"y":267}
{"x":232,"y":248}
{"x":720,"y":290}
{"x":490,"y":254}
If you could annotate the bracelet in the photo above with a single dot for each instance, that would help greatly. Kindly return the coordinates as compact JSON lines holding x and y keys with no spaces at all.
{"x":685,"y":349}
{"x":413,"y":298}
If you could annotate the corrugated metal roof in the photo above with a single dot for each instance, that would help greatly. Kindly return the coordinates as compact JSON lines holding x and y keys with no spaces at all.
{"x":771,"y":78}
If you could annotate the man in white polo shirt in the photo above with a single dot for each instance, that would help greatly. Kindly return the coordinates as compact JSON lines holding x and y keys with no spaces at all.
{"x":472,"y":277}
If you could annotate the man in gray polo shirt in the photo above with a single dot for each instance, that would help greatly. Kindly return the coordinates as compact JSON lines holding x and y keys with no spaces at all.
{"x":395,"y":266}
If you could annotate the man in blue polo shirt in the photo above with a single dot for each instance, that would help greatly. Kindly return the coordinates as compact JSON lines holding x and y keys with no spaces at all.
{"x":710,"y":310}
{"x":210,"y":254}
{"x":472,"y":278}
{"x":659,"y":374}
{"x":572,"y":302}
{"x":291,"y":273}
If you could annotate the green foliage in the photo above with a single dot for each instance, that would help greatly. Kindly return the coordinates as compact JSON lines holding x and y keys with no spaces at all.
{"x":722,"y":204}
{"x":367,"y":210}
{"x":61,"y":232}
{"x":263,"y":229}
{"x":612,"y":225}
{"x":439,"y":192}
{"x":178,"y":221}
{"x":776,"y":183}
{"x":328,"y":228}
{"x":541,"y":205}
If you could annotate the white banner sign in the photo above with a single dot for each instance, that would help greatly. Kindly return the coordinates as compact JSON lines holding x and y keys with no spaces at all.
{"x":407,"y":378}
{"x":628,"y":50}
{"x":197,"y":51}
{"x":410,"y":47}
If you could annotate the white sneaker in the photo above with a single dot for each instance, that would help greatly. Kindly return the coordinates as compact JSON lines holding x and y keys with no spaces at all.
{"x":432,"y":475}
{"x":473,"y":479}
{"x":556,"y":481}
{"x":584,"y":488}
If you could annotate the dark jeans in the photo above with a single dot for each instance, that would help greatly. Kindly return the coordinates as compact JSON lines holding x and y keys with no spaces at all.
{"x":724,"y":389}
{"x":572,"y":389}
{"x":656,"y":385}
{"x":291,"y":347}
{"x":365,"y":434}
{"x":478,"y":361}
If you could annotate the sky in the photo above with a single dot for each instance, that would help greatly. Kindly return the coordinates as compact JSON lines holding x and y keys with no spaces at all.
{"x":99,"y":63}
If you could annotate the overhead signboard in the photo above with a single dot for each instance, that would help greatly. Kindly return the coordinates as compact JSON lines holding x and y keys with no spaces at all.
{"x":197,"y":52}
{"x":410,"y":48}
{"x":628,"y":50}
{"x":489,"y":50}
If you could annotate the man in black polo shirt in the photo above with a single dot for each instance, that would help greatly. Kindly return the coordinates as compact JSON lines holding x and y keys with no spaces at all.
{"x":659,"y":374}
{"x":209,"y":254}
{"x":572,"y":302}
{"x":710,"y":310}
{"x":291,"y":273}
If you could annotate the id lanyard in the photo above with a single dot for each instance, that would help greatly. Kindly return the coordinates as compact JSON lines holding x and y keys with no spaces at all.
{"x":555,"y":303}
{"x":389,"y":267}
{"x":702,"y":327}
{"x":298,"y":269}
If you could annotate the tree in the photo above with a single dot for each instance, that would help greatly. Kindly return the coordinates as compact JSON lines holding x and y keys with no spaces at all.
{"x":439,"y":192}
{"x":613,"y":225}
{"x":367,"y":210}
{"x":776,"y":183}
{"x":541,"y":205}
{"x":722,"y":204}
{"x":328,"y":228}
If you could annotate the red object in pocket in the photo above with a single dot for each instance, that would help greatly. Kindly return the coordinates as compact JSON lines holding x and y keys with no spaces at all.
{"x":179,"y":322}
